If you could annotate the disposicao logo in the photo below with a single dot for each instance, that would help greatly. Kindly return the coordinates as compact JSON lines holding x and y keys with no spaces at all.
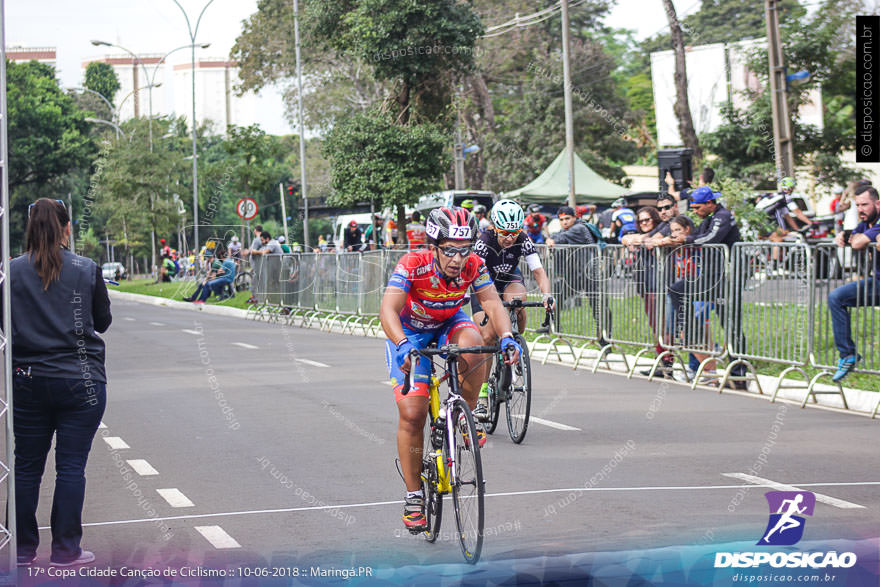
{"x":785,"y":528}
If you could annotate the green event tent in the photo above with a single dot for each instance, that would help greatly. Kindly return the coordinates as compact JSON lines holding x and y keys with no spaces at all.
{"x":551,"y":187}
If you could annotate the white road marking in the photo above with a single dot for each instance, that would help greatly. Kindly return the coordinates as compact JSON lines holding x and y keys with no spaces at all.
{"x":217,"y":536}
{"x":838,"y":503}
{"x":312,"y":363}
{"x":101,"y":425}
{"x":388,"y":383}
{"x":398,"y":502}
{"x":115,"y":442}
{"x":142,"y":467}
{"x":245,"y":345}
{"x":130,"y":319}
{"x":188,"y":331}
{"x":175,"y":498}
{"x":552,"y":424}
{"x":157,"y":323}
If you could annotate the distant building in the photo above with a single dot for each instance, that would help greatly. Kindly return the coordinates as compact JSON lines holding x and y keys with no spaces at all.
{"x":216,"y":100}
{"x":134,"y":93}
{"x":42,"y":54}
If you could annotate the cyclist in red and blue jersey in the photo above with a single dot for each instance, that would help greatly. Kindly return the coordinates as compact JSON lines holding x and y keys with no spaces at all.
{"x":422,"y":304}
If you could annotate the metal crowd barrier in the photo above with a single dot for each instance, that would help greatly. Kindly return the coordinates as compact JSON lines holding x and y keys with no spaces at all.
{"x":775,"y":285}
{"x":754,"y":302}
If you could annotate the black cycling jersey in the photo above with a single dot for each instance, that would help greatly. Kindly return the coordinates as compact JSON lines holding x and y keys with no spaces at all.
{"x":503,"y":264}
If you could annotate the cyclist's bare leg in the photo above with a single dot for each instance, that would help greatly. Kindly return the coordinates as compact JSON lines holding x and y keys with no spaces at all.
{"x":486,"y":330}
{"x":514,"y":291}
{"x":473,"y":369}
{"x":410,"y":435}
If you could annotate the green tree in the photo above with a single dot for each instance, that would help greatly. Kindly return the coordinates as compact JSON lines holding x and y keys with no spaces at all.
{"x":48,"y":135}
{"x":374,"y":158}
{"x":101,"y":78}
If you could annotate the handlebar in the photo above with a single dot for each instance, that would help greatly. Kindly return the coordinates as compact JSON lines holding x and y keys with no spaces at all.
{"x":450,"y":350}
{"x":517,"y":303}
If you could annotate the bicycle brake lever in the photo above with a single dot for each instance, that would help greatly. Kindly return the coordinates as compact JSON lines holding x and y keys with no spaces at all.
{"x":410,"y":377}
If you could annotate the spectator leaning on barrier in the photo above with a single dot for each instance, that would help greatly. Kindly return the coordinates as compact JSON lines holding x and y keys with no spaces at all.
{"x":581,"y":267}
{"x":59,"y":304}
{"x":860,"y":293}
{"x":373,"y":234}
{"x":718,"y":227}
{"x":353,"y":238}
{"x":268,"y":245}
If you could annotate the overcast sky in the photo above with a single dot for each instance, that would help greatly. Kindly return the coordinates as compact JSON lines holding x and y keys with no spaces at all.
{"x":158,"y":26}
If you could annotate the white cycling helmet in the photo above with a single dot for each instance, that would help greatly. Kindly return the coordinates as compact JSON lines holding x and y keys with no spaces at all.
{"x":625,"y":215}
{"x":507,"y":215}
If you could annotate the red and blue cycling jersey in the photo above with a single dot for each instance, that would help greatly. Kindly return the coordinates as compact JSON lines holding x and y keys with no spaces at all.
{"x":432,"y":299}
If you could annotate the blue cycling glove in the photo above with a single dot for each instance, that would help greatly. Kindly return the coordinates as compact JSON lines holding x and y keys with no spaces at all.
{"x":507,"y":341}
{"x":403,"y":349}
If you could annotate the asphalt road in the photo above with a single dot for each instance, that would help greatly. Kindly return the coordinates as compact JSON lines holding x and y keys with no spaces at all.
{"x":276,"y":446}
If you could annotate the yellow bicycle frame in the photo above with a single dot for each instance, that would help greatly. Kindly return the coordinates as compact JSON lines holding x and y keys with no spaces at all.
{"x":443,"y":485}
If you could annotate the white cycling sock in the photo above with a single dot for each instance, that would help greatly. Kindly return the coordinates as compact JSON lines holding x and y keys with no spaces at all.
{"x":418,"y":494}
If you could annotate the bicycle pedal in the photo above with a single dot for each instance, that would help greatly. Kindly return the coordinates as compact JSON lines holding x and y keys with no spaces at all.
{"x":416,"y":531}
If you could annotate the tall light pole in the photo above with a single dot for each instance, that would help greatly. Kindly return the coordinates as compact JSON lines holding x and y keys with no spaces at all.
{"x":113,"y":111}
{"x":302,"y":129}
{"x":566,"y":91}
{"x":195,"y":172}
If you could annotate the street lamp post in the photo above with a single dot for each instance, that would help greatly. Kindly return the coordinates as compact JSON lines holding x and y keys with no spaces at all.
{"x":195,"y":171}
{"x":113,"y":111}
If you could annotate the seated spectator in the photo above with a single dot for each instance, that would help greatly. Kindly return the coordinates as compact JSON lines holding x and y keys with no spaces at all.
{"x":167,"y":269}
{"x":221,"y":275}
{"x":865,"y":292}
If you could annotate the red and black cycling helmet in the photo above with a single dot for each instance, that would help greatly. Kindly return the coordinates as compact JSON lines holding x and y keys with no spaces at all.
{"x":451,"y":224}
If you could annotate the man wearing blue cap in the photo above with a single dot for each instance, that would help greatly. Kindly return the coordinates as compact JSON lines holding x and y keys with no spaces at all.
{"x":718,"y":227}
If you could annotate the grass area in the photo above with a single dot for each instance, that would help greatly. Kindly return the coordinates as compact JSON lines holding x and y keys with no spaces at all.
{"x":176,"y":290}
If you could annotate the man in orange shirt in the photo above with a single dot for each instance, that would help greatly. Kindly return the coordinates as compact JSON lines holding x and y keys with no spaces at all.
{"x":415,"y":232}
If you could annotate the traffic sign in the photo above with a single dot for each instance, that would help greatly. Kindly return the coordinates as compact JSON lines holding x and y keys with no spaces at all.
{"x":246,"y":208}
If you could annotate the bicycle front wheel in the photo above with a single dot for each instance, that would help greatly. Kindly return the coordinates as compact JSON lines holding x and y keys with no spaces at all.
{"x":433,"y":500}
{"x":519,"y":395}
{"x":467,"y":484}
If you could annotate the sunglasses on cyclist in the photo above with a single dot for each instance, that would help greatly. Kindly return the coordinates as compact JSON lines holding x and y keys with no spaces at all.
{"x":663,"y":208}
{"x":453,"y":251}
{"x":508,"y":233}
{"x":31,"y":207}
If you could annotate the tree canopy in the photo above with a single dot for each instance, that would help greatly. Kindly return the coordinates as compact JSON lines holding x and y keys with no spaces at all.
{"x":101,"y":78}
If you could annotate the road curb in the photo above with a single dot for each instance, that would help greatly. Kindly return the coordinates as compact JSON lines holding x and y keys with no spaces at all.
{"x":178,"y":305}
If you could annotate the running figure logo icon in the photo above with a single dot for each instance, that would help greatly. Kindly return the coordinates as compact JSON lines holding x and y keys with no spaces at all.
{"x":786,"y":526}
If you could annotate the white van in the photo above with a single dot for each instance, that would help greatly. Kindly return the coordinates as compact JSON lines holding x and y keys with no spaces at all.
{"x":340,"y":225}
{"x":455,"y":198}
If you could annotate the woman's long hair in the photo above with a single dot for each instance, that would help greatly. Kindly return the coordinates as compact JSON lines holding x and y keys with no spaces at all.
{"x":44,"y":236}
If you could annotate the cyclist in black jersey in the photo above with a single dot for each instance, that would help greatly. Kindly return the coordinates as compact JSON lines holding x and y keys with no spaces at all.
{"x":501,"y":248}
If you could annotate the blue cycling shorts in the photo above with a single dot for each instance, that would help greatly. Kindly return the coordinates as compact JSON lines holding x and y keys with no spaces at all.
{"x":421,"y":339}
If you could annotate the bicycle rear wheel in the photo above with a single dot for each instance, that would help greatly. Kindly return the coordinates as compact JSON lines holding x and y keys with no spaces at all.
{"x":467,"y":487}
{"x":433,"y":500}
{"x":519,"y":395}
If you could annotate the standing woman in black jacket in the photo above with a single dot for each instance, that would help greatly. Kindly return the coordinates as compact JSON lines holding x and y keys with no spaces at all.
{"x":59,"y":304}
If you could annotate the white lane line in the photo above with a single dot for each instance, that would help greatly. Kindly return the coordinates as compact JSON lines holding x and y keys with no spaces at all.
{"x":188,"y":331}
{"x":552,"y":424}
{"x":312,"y":363}
{"x":142,"y":467}
{"x":388,"y":383}
{"x":245,"y":345}
{"x":838,"y":503}
{"x":101,"y":425}
{"x":157,"y":323}
{"x":217,"y":537}
{"x":115,"y":442}
{"x":175,"y":498}
{"x":130,"y":319}
{"x":398,"y":502}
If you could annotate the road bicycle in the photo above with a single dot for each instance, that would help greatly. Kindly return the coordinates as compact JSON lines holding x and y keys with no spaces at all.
{"x":451,"y":453}
{"x":511,"y":385}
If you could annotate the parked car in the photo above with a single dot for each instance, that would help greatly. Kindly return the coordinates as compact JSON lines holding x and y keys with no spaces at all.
{"x":114,"y":271}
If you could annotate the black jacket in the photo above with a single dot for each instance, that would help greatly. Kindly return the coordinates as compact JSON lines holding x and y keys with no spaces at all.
{"x":54,"y":331}
{"x":719,"y":228}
